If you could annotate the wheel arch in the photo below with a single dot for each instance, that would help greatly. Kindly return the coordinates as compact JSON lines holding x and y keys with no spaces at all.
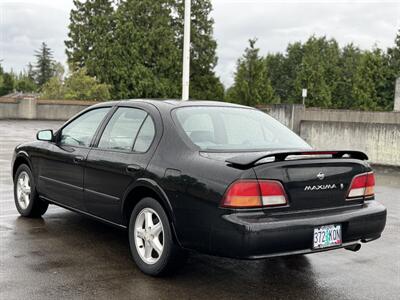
{"x":142,"y":188}
{"x":21,"y":158}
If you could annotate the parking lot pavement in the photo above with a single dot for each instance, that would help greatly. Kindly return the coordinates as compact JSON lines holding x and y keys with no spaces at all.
{"x":70,"y":256}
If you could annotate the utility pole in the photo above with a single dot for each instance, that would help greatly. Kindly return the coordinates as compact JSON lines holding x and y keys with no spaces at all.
{"x":186,"y":52}
{"x":397,"y":96}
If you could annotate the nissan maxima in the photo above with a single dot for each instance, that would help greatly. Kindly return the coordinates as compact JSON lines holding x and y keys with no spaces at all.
{"x":218,"y":178}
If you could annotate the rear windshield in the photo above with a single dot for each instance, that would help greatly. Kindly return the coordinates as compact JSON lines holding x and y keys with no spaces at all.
{"x":235,"y":129}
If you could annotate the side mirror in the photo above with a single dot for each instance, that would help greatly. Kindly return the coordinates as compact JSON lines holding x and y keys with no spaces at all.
{"x":45,"y":135}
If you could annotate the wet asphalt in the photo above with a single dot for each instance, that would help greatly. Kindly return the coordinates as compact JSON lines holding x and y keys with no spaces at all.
{"x":66,"y":255}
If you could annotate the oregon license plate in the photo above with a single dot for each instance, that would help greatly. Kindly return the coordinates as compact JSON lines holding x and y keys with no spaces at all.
{"x":327,"y":236}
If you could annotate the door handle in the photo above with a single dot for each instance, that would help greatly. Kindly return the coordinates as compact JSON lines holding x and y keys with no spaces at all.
{"x":133,"y":168}
{"x":78,"y":159}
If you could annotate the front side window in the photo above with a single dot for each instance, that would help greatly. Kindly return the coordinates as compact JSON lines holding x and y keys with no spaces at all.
{"x":235,"y":129}
{"x":80,"y":131}
{"x":122,"y":129}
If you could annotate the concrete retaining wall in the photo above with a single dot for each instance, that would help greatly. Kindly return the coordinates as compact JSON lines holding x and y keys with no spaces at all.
{"x":8,"y":110}
{"x":293,"y":117}
{"x":41,"y":109}
{"x":376,"y":133}
{"x":282,"y":112}
{"x":58,"y":112}
{"x":342,"y":115}
{"x":380,"y":141}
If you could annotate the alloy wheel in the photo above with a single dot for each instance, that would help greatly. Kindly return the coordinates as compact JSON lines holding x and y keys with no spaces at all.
{"x":23,"y":190}
{"x":149,"y":236}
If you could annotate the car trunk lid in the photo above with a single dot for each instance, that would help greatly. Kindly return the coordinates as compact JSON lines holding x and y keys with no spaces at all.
{"x":311,"y":179}
{"x":313,"y":184}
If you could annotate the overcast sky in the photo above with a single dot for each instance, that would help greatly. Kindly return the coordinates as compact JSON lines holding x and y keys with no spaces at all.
{"x":25,"y":24}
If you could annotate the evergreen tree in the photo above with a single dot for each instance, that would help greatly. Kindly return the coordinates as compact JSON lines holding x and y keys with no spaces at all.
{"x":318,"y":71}
{"x":44,"y":65}
{"x":90,"y":37}
{"x":368,"y":78}
{"x":31,"y":72}
{"x":251,"y":85}
{"x":386,"y":86}
{"x":146,"y":58}
{"x":136,"y":46}
{"x":1,"y":78}
{"x":7,"y":81}
{"x":291,"y":66}
{"x":131,"y":47}
{"x":337,"y":78}
{"x":394,"y":57}
{"x":393,"y":72}
{"x":277,"y":72}
{"x":8,"y":84}
{"x":349,"y":61}
{"x":370,"y":83}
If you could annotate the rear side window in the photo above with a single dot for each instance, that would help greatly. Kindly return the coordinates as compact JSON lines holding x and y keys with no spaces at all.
{"x":122,"y":129}
{"x":200,"y":128}
{"x":145,"y":136}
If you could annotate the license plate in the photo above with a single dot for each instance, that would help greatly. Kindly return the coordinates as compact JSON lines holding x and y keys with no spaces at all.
{"x":327,"y":236}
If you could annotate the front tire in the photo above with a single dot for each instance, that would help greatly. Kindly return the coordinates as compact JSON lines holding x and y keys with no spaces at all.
{"x":151,"y":242}
{"x":26,"y":198}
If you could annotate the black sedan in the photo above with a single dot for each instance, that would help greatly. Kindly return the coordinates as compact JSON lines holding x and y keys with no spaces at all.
{"x":218,"y":178}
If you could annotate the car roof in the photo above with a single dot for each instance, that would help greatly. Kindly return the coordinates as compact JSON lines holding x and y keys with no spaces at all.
{"x":173,"y":103}
{"x":167,"y":105}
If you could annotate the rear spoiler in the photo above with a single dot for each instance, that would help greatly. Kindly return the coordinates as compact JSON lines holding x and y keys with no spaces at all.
{"x":248,"y":160}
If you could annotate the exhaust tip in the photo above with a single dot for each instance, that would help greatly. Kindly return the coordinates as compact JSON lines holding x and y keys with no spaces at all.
{"x":367,"y":240}
{"x":354,"y":247}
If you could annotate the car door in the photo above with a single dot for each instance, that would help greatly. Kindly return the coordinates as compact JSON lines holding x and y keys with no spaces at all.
{"x":120,"y":156}
{"x":61,"y":170}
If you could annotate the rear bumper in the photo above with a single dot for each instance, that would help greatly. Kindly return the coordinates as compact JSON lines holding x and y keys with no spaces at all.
{"x":256,"y":235}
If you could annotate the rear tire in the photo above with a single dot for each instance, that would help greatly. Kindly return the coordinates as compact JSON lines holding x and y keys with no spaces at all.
{"x":151,"y":241}
{"x":26,"y":198}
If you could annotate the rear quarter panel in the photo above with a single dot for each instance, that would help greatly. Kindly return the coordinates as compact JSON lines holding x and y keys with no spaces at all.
{"x":194,"y":185}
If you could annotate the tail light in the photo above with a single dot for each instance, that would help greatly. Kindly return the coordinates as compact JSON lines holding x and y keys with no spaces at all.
{"x":254,"y":193}
{"x":362,"y":186}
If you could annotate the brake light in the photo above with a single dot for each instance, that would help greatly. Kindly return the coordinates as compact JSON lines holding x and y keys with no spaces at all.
{"x":362,"y":186}
{"x":254,"y":193}
{"x":320,"y":153}
{"x":244,"y":193}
